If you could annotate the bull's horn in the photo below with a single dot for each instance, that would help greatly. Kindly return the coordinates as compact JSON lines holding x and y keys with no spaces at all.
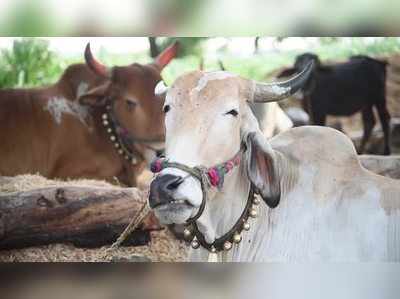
{"x":94,"y":65}
{"x":167,"y":55}
{"x":161,"y":88}
{"x":273,"y":92}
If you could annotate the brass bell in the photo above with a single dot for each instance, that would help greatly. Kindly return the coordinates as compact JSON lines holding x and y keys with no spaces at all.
{"x":256,"y":201}
{"x":253,"y":213}
{"x":237,"y":238}
{"x":104,"y":116}
{"x":195,"y":244}
{"x":187,"y":233}
{"x":246,"y":226}
{"x":227,"y":245}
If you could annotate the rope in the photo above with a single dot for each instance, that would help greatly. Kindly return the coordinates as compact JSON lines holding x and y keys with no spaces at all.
{"x":143,"y":212}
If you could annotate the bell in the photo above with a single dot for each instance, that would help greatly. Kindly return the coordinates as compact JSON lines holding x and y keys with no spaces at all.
{"x":105,"y":122}
{"x":213,"y":250}
{"x":256,"y":201}
{"x":246,"y":226}
{"x":112,"y":138}
{"x":195,"y":244}
{"x":237,"y":238}
{"x":104,"y":116}
{"x":187,"y":233}
{"x":227,"y":245}
{"x":253,"y":213}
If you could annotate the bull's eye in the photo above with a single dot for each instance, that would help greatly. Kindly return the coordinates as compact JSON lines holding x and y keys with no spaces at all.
{"x":166,"y":108}
{"x":232,"y":112}
{"x":131,"y":104}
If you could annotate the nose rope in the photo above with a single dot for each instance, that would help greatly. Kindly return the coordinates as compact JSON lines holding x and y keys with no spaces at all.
{"x":208,"y":177}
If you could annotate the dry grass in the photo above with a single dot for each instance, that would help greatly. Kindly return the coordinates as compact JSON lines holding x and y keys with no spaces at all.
{"x":163,"y":248}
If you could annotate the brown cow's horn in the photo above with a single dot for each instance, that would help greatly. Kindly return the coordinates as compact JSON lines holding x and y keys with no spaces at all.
{"x":167,"y":55}
{"x":273,"y":92}
{"x":94,"y":65}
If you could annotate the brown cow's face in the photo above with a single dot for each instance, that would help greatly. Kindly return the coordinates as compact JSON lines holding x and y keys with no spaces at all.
{"x":136,"y":105}
{"x":130,"y":90}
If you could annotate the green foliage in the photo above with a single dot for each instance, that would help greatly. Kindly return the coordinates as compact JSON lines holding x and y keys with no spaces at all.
{"x":28,"y":63}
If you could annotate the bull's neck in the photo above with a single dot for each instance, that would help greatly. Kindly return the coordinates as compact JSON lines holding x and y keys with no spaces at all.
{"x":226,"y":207}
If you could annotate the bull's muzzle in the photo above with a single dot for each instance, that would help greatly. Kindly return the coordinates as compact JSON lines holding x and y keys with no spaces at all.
{"x":162,"y":189}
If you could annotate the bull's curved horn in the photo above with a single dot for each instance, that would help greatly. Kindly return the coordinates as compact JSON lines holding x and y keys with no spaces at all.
{"x":94,"y":65}
{"x":273,"y":92}
{"x":160,"y":88}
{"x":167,"y":55}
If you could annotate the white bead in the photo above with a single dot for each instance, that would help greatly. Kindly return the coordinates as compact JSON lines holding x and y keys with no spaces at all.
{"x":246,"y":226}
{"x":112,"y":138}
{"x":256,"y":201}
{"x":127,"y":157}
{"x":237,"y":238}
{"x":187,"y":233}
{"x":195,"y":244}
{"x":227,"y":245}
{"x":213,"y":250}
{"x":120,"y":151}
{"x":253,"y":213}
{"x":104,"y":116}
{"x":134,"y":161}
{"x":116,"y":145}
{"x":109,"y":130}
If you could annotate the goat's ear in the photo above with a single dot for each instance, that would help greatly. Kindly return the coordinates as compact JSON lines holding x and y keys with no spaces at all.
{"x":286,"y":73}
{"x":262,"y":168}
{"x":95,"y":96}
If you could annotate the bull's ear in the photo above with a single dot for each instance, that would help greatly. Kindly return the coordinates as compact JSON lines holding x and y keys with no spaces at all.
{"x":286,"y":73}
{"x":95,"y":97}
{"x":262,"y":168}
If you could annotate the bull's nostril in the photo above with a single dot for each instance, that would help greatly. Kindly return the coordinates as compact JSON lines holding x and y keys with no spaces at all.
{"x":175,"y":183}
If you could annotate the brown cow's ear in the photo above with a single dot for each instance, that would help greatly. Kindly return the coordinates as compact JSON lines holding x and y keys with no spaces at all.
{"x":95,"y":96}
{"x":262,"y":169}
{"x":286,"y":73}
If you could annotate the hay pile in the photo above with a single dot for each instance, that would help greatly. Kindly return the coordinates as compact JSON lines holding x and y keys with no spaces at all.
{"x":163,"y":247}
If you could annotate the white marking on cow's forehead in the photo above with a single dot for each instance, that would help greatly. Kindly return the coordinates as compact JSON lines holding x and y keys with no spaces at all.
{"x":57,"y":106}
{"x":211,"y":76}
{"x":82,"y":89}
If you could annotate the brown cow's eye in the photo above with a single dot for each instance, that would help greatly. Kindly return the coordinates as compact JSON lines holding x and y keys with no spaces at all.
{"x":131,"y":104}
{"x":232,"y":112}
{"x":166,"y":108}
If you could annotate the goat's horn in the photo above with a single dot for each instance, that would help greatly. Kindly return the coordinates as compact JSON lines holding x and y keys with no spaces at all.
{"x":94,"y":65}
{"x":273,"y":92}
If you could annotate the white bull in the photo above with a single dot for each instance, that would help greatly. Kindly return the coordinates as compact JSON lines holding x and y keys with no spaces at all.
{"x":319,"y":203}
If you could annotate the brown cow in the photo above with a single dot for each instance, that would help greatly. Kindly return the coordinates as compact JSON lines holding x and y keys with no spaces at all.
{"x":96,"y":122}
